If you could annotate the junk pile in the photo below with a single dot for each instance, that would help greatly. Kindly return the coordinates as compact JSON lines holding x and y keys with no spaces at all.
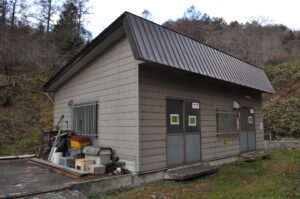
{"x":65,"y":148}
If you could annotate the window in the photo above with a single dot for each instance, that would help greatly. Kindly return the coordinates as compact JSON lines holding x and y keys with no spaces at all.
{"x":228,"y":122}
{"x":85,"y":119}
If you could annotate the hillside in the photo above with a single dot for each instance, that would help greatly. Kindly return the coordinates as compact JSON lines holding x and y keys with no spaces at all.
{"x":24,"y":113}
{"x":30,"y":53}
{"x":255,"y":41}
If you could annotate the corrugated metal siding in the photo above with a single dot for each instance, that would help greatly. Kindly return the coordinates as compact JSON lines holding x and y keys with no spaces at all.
{"x":154,"y":43}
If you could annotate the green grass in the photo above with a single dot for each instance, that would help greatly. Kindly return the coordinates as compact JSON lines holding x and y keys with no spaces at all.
{"x":263,"y":179}
{"x":26,"y":144}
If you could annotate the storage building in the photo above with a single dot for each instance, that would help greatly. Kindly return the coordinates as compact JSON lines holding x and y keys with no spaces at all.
{"x":160,"y":99}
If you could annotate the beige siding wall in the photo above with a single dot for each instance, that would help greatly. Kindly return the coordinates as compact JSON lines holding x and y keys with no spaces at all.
{"x":155,"y":86}
{"x":111,"y":80}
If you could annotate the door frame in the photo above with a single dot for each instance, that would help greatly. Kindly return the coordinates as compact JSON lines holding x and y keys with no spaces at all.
{"x":184,"y":133}
{"x":248,"y":151}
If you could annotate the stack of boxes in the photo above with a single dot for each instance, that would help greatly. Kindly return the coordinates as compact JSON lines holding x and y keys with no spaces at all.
{"x":101,"y":157}
{"x":93,"y":160}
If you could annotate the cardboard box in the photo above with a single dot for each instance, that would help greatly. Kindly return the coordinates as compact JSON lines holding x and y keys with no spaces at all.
{"x":82,"y":164}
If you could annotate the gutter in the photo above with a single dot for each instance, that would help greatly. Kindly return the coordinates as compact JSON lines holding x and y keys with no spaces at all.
{"x":16,"y":157}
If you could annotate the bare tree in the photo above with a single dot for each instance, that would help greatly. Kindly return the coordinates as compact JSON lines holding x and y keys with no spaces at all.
{"x":48,"y":9}
{"x":13,"y":12}
{"x":82,"y":10}
{"x":3,"y":13}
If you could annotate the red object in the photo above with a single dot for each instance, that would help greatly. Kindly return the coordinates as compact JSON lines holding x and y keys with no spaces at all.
{"x":80,"y":139}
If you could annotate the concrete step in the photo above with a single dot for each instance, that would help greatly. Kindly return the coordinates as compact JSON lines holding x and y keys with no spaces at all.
{"x":66,"y":194}
{"x":252,"y":156}
{"x":185,"y":173}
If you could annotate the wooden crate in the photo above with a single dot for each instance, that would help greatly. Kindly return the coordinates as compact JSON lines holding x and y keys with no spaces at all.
{"x":82,"y":164}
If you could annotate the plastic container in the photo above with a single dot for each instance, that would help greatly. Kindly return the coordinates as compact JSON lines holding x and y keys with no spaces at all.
{"x":91,"y":150}
{"x":79,"y":141}
{"x":56,"y":156}
{"x":66,"y":161}
{"x":103,"y":158}
{"x":74,"y":152}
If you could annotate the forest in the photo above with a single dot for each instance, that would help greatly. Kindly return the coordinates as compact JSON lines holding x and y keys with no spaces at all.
{"x":37,"y":39}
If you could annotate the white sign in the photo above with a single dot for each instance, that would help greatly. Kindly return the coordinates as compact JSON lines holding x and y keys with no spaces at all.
{"x":174,"y":119}
{"x":261,"y":125}
{"x":251,"y":110}
{"x":250,"y":119}
{"x":192,"y":120}
{"x":195,"y":105}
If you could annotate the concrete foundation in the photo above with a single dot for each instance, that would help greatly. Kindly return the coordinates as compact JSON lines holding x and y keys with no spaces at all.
{"x":221,"y":161}
{"x":97,"y":186}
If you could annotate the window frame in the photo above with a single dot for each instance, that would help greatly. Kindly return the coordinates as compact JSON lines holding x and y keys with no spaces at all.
{"x":237,"y":120}
{"x":91,"y":111}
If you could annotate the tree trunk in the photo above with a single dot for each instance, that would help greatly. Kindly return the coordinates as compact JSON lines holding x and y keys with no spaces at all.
{"x":3,"y":14}
{"x":48,"y":21}
{"x":13,"y":13}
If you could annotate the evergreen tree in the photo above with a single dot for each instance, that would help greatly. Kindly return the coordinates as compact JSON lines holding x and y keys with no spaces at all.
{"x":69,"y":33}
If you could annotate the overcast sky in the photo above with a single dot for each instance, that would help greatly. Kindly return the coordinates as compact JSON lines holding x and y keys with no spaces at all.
{"x":278,"y":11}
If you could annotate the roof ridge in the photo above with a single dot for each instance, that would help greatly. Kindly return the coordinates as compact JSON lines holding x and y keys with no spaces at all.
{"x":126,"y":13}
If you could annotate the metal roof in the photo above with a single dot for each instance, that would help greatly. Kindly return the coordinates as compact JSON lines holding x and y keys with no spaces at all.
{"x":154,"y":43}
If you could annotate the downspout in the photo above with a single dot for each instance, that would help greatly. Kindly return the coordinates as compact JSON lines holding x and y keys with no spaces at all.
{"x":138,"y":119}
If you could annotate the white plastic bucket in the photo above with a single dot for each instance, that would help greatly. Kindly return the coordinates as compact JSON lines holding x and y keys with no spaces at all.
{"x":56,"y":157}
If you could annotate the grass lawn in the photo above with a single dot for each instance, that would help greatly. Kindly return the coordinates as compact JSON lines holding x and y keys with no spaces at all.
{"x":270,"y":179}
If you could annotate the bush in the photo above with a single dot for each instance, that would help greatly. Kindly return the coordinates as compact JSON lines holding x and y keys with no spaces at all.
{"x":284,"y":75}
{"x":282,"y":116}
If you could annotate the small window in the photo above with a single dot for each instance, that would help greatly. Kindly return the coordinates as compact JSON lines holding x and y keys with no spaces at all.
{"x":228,"y":122}
{"x":85,"y":119}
